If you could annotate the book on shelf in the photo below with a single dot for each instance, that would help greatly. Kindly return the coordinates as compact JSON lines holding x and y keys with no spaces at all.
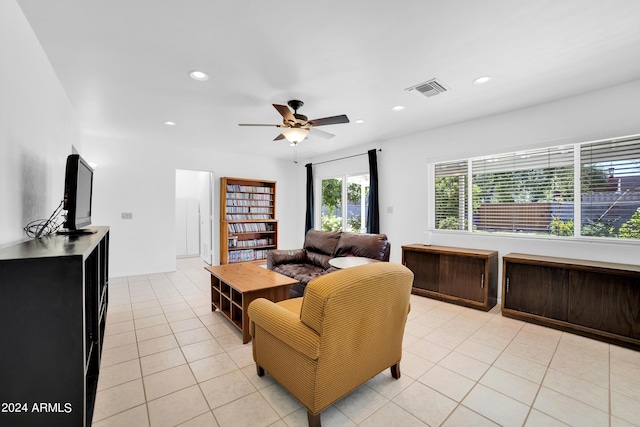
{"x":251,"y":243}
{"x":237,"y":216}
{"x":249,"y":227}
{"x":232,"y":188}
{"x":247,"y":255}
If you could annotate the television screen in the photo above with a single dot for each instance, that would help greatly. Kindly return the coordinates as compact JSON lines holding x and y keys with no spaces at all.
{"x":78,"y":188}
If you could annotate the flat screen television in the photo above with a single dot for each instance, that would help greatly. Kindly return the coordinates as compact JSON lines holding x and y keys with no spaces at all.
{"x":78,"y":190}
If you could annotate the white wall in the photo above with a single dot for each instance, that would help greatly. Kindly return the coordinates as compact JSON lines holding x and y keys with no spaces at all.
{"x":37,"y":128}
{"x":403,"y":163}
{"x":139,"y":177}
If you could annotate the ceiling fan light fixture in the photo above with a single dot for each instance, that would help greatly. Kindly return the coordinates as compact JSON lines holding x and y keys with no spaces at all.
{"x":295,"y":135}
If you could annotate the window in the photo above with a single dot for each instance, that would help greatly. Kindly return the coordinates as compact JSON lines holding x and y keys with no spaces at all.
{"x":610,"y":185}
{"x":451,"y":201}
{"x":350,"y":216}
{"x":535,"y":191}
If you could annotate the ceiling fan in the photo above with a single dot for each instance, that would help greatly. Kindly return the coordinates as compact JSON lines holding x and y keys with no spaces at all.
{"x":296,"y":126}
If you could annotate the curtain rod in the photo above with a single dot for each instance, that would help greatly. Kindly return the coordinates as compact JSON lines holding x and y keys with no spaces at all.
{"x":342,"y":158}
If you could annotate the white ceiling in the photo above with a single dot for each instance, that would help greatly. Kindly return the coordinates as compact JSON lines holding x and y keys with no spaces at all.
{"x":124,"y":63}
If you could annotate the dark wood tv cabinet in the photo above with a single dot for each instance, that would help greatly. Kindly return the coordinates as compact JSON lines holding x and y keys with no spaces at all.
{"x":599,"y":300}
{"x":461,"y":276}
{"x":53,"y":307}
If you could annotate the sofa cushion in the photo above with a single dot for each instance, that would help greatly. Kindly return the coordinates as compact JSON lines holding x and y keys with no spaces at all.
{"x":301,"y":272}
{"x":276,"y":257}
{"x":365,"y":245}
{"x":321,"y":241}
{"x":319,"y":260}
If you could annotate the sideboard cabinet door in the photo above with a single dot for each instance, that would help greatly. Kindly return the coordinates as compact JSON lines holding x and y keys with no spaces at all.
{"x":462,"y":277}
{"x":425,"y":267}
{"x":536,"y":289}
{"x":605,"y":302}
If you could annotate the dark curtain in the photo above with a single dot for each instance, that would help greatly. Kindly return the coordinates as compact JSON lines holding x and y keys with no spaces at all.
{"x":308,"y":221}
{"x":373,"y":212}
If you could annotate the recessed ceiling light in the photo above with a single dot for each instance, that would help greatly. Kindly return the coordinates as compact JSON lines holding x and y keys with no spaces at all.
{"x":169,"y":123}
{"x":398,"y":108}
{"x":359,"y":121}
{"x":481,"y":80}
{"x":199,"y":76}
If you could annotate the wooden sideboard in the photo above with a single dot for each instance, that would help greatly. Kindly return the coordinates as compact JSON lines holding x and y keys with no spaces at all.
{"x":596,"y":299}
{"x":461,"y":276}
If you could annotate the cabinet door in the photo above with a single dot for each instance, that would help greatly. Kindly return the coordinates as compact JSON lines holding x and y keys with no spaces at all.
{"x":462,"y":277}
{"x":536,"y":289}
{"x":425,"y":267}
{"x":606,"y":302}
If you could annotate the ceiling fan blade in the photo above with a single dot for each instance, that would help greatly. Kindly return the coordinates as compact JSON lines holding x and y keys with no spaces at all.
{"x":329,"y":120}
{"x":252,"y":124}
{"x":320,"y":133}
{"x":286,"y":113}
{"x":279,"y":137}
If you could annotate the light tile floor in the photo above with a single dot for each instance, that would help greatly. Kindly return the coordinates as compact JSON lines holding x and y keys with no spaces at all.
{"x":168,"y":360}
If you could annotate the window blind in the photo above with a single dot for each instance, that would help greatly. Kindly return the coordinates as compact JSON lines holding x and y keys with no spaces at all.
{"x":610,"y":184}
{"x":526,"y":192}
{"x":451,"y":183}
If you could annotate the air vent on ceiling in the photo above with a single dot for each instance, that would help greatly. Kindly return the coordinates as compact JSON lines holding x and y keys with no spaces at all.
{"x":429,"y":88}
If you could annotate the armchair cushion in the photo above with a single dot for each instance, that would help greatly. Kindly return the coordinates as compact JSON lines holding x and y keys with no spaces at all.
{"x":283,"y":322}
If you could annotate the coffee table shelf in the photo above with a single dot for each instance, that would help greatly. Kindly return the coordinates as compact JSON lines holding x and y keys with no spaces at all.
{"x":235,"y":286}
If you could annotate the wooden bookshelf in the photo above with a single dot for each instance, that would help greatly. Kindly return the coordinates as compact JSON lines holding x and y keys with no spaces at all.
{"x":248,"y":225}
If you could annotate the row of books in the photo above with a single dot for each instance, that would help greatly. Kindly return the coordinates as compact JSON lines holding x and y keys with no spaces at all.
{"x":237,"y":216}
{"x":248,"y":189}
{"x":249,"y":227}
{"x":247,"y":255}
{"x":249,"y":209}
{"x":251,"y":196}
{"x":248,"y":202}
{"x":253,"y":243}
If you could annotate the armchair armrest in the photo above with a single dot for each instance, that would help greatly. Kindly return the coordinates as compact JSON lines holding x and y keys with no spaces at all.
{"x":284,"y":325}
{"x":285,"y":256}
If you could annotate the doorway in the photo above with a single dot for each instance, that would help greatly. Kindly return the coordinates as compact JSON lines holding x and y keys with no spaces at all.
{"x":194,"y":214}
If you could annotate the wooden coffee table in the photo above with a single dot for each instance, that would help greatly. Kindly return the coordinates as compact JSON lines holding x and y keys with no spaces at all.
{"x":234,"y":286}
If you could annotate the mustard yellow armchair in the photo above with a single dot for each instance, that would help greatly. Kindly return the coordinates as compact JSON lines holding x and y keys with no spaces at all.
{"x":346,"y":329}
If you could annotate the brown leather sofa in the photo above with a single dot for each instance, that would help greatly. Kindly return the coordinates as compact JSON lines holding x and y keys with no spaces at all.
{"x":319,"y":247}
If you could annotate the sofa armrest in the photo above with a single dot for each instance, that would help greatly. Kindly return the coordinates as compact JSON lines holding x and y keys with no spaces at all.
{"x":285,"y":326}
{"x":285,"y":256}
